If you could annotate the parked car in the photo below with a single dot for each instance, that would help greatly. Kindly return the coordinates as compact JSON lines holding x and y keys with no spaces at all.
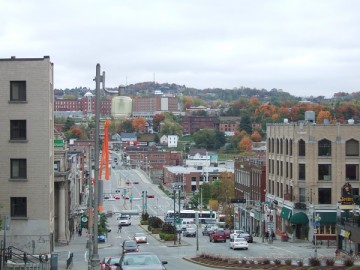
{"x":247,"y":236}
{"x":150,"y":196}
{"x":217,"y":236}
{"x":110,"y":263}
{"x":239,"y":243}
{"x":189,"y":232}
{"x":227,"y":233}
{"x":235,"y":233}
{"x":117,"y":197}
{"x":141,"y":260}
{"x":140,"y":238}
{"x":101,"y":238}
{"x":102,"y":263}
{"x":129,"y":246}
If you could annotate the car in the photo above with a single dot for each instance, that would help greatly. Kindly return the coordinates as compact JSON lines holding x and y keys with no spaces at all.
{"x":117,"y":197}
{"x":110,"y":263}
{"x":129,"y":246}
{"x":140,"y":238}
{"x":127,"y":182}
{"x":141,"y":260}
{"x":235,"y":233}
{"x":189,"y":232}
{"x":124,"y":220}
{"x":247,"y":236}
{"x":239,"y":243}
{"x":217,"y":236}
{"x":102,"y":263}
{"x":136,"y":182}
{"x":150,"y":196}
{"x":209,"y":229}
{"x":127,"y":197}
{"x":101,"y":238}
{"x":106,"y":197}
{"x":113,"y":166}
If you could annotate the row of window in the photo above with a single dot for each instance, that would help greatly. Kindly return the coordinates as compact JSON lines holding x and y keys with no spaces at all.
{"x":18,"y":167}
{"x":324,"y":171}
{"x":324,"y":147}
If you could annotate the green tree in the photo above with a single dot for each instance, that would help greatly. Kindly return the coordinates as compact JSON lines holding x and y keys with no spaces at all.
{"x":209,"y":138}
{"x":68,"y":124}
{"x":102,"y":225}
{"x":245,"y":124}
{"x":126,"y":126}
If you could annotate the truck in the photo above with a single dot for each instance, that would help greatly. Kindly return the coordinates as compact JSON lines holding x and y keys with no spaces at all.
{"x":217,"y":236}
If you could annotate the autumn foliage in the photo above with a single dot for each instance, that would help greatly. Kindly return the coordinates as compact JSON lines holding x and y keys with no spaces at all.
{"x":245,"y":144}
{"x":139,"y":123}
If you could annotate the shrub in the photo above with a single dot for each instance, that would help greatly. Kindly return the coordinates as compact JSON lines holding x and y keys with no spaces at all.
{"x":155,"y":222}
{"x":144,"y":222}
{"x":330,"y":261}
{"x":313,"y":261}
{"x":167,"y":236}
{"x":144,"y":216}
{"x":265,"y":261}
{"x":243,"y":261}
{"x":168,"y":228}
{"x":277,"y":262}
{"x":287,"y":261}
{"x":149,"y":228}
{"x":349,"y":261}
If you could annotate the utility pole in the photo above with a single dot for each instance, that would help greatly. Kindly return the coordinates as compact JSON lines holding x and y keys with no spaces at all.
{"x":179,"y":214}
{"x":90,"y":208}
{"x":95,"y":256}
{"x":174,"y":193}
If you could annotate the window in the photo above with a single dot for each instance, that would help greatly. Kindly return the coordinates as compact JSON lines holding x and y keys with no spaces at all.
{"x":352,"y":171}
{"x":18,"y":90}
{"x":291,"y":147}
{"x":324,"y":148}
{"x":324,"y":171}
{"x":302,"y":171}
{"x":17,"y":129}
{"x":286,"y":147}
{"x":281,"y":146}
{"x":302,"y":197}
{"x":57,"y":166}
{"x":18,"y":169}
{"x":18,"y":207}
{"x":301,"y":148}
{"x":352,"y":148}
{"x":324,"y":195}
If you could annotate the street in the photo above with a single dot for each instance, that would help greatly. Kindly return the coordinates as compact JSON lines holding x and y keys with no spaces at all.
{"x":157,"y":206}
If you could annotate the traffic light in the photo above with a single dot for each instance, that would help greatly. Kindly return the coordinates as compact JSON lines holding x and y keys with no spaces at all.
{"x":238,"y":200}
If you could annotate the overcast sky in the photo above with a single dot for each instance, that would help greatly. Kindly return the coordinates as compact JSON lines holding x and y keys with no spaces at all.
{"x":303,"y":47}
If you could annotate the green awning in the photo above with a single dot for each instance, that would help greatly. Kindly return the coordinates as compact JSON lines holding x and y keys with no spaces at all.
{"x":327,"y":217}
{"x":286,"y":213}
{"x":299,"y":218}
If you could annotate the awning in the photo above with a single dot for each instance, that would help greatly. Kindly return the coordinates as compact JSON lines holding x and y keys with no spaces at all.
{"x":327,"y":217}
{"x":299,"y":218}
{"x":285,"y":213}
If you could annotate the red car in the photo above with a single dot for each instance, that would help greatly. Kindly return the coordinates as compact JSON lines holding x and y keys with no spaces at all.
{"x":110,"y":264}
{"x":103,"y":262}
{"x":127,"y":197}
{"x":150,"y":196}
{"x":117,"y":197}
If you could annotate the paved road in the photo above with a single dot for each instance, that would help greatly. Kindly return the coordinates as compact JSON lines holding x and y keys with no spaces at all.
{"x":174,"y":254}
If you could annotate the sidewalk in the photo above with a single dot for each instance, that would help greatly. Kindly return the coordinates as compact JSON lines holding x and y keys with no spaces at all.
{"x":78,"y":247}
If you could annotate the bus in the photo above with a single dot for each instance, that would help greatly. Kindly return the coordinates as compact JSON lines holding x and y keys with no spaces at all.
{"x":205,"y":217}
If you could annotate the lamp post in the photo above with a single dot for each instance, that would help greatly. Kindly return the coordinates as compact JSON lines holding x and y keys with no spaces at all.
{"x":179,"y":214}
{"x":316,"y":224}
{"x":174,"y":193}
{"x":90,"y":207}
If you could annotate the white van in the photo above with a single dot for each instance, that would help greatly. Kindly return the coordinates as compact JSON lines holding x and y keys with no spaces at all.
{"x":124,"y":220}
{"x":186,"y":224}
